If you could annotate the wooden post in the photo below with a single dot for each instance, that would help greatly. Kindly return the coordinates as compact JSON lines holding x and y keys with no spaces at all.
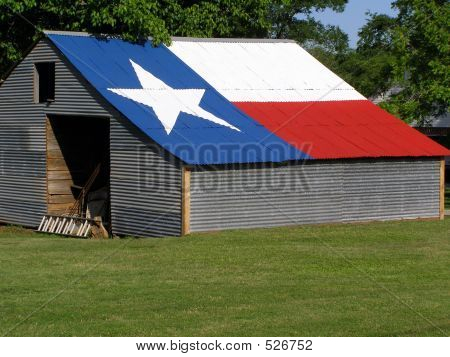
{"x":442,"y":191}
{"x":186,"y":201}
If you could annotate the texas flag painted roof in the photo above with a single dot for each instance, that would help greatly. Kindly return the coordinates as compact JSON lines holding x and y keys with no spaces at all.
{"x":210,"y":101}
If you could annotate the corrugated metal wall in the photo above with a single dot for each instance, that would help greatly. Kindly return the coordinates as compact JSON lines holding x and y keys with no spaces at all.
{"x":316,"y":192}
{"x":378,"y":190}
{"x":23,"y":185}
{"x":145,"y":186}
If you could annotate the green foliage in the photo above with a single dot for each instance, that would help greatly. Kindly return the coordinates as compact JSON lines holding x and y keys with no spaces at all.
{"x":369,"y":67}
{"x":376,"y":34}
{"x":315,"y":37}
{"x":421,"y":49}
{"x":21,"y":21}
{"x":370,"y":74}
{"x":292,"y":19}
{"x":286,"y":22}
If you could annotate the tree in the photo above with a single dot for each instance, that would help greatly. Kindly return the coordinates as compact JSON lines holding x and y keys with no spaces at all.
{"x":421,"y":50}
{"x":134,"y":20}
{"x":286,"y":20}
{"x":369,"y":68}
{"x":408,"y":53}
{"x":21,"y":21}
{"x":294,"y":20}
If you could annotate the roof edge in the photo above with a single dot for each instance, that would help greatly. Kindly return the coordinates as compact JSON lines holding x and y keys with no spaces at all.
{"x":177,"y":38}
{"x":223,"y":39}
{"x":68,"y":33}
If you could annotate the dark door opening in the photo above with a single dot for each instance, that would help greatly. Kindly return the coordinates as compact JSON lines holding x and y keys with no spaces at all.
{"x":76,"y":146}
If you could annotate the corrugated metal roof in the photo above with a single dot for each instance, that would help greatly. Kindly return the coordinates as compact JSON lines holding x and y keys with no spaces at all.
{"x":343,"y":129}
{"x":171,"y":103}
{"x":263,"y":72}
{"x":296,"y":97}
{"x":211,"y":101}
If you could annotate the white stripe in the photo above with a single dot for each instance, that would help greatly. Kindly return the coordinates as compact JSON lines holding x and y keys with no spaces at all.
{"x":286,"y":95}
{"x":263,"y":72}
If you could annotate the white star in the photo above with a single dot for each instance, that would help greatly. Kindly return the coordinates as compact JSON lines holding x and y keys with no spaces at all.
{"x":167,"y":102}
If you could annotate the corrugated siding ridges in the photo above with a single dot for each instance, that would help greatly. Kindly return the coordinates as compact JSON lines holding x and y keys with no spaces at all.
{"x":145,"y":188}
{"x":23,"y":186}
{"x":22,"y":146}
{"x":325,"y":191}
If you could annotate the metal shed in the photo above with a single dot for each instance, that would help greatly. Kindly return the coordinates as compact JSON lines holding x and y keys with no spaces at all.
{"x":203,"y":135}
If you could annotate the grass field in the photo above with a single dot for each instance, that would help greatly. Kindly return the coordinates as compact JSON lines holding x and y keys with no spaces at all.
{"x":381,"y":279}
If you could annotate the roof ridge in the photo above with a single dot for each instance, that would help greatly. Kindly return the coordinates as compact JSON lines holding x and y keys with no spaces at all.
{"x":177,"y":38}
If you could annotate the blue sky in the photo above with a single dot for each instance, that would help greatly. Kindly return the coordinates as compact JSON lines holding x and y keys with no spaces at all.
{"x":353,"y":18}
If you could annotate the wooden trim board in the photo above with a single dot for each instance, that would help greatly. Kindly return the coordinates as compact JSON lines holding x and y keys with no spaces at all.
{"x":442,"y":190}
{"x":47,"y":128}
{"x":185,"y":201}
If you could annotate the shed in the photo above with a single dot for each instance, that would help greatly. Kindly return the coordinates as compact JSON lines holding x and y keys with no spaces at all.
{"x":205,"y":134}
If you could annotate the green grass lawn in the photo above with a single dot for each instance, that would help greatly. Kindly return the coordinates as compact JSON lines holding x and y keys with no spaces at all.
{"x":381,"y":279}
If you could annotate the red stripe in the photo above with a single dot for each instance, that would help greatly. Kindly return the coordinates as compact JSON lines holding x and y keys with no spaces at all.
{"x":342,"y":129}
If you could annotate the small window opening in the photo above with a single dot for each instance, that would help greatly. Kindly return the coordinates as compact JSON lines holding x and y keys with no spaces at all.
{"x":45,"y":82}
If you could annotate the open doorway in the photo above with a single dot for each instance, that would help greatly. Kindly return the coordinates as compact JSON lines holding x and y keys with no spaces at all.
{"x":78,"y":166}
